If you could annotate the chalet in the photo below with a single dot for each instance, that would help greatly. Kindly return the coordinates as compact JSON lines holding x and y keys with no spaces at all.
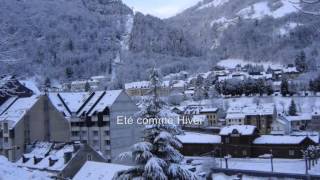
{"x":291,"y":72}
{"x":283,"y":146}
{"x":197,"y":144}
{"x":245,"y":141}
{"x":63,"y":160}
{"x":26,"y":120}
{"x":259,"y":115}
{"x":93,"y":119}
{"x":236,"y":140}
{"x":99,"y":171}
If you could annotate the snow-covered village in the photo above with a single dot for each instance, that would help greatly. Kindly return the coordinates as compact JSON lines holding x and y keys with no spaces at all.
{"x":193,"y":90}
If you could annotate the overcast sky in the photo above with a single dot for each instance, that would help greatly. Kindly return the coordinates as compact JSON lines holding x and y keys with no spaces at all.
{"x":160,"y":8}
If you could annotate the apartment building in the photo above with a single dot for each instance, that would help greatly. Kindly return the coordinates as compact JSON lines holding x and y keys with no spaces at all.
{"x":142,"y":88}
{"x":24,"y":121}
{"x":259,"y":115}
{"x":93,"y":119}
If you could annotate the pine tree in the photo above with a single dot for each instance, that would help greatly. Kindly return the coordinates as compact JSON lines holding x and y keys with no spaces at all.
{"x":87,"y":87}
{"x":292,"y":108}
{"x":284,"y":87}
{"x":157,"y":156}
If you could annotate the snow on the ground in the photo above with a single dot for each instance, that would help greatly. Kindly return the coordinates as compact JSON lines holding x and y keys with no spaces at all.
{"x":128,"y":29}
{"x":10,"y":171}
{"x":232,"y":63}
{"x":214,"y":3}
{"x":261,"y":9}
{"x":280,"y":165}
{"x":287,"y":28}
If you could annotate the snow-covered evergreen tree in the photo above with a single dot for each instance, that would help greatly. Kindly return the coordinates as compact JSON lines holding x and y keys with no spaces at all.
{"x":157,"y":157}
{"x":292,"y":109}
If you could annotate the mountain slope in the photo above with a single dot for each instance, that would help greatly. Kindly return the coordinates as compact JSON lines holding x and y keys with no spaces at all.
{"x":258,"y":30}
{"x":78,"y":38}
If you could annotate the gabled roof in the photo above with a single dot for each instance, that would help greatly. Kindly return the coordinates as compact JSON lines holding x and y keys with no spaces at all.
{"x":273,"y":139}
{"x":83,"y":102}
{"x":241,"y":129}
{"x":15,"y":108}
{"x":199,"y":138}
{"x":97,"y":171}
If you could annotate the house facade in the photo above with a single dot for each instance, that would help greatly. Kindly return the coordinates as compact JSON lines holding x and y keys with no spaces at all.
{"x":93,"y":120}
{"x":259,"y":115}
{"x":24,"y":121}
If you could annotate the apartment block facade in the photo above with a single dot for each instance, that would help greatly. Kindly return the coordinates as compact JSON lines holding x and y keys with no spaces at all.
{"x":24,"y":121}
{"x":93,"y":119}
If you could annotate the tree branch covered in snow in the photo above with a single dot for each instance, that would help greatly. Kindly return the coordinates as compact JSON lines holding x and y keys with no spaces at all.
{"x":307,"y":2}
{"x":157,"y":157}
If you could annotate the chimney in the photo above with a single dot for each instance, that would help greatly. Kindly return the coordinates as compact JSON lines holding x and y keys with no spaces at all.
{"x":67,"y":157}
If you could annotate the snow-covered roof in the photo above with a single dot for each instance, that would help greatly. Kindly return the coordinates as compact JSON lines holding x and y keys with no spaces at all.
{"x":241,"y":129}
{"x":179,"y":84}
{"x":208,"y":110}
{"x":10,"y":171}
{"x":143,"y":84}
{"x":273,"y":139}
{"x":98,"y":171}
{"x":290,"y":70}
{"x":199,"y":138}
{"x":80,"y":102}
{"x":300,"y":117}
{"x":250,"y":110}
{"x":235,"y":116}
{"x":108,"y":99}
{"x":31,"y":84}
{"x":45,"y":151}
{"x":136,"y":85}
{"x":16,"y":108}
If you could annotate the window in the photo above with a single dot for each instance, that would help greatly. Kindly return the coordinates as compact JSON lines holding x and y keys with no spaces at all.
{"x":89,"y":157}
{"x":5,"y":127}
{"x":291,"y":152}
{"x":74,"y":133}
{"x":95,"y":142}
{"x":227,"y":140}
{"x":244,"y":153}
{"x":107,"y":133}
{"x":6,"y":140}
{"x":95,"y":133}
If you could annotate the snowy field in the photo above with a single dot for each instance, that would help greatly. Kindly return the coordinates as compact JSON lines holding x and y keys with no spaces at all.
{"x":280,"y":165}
